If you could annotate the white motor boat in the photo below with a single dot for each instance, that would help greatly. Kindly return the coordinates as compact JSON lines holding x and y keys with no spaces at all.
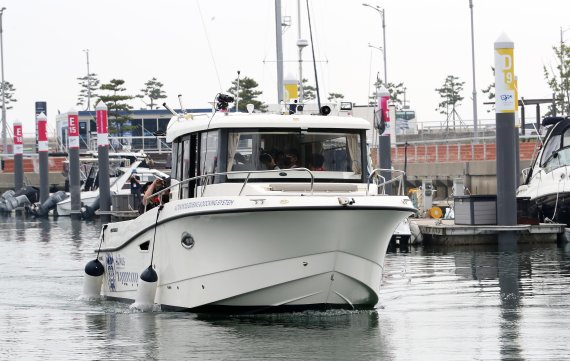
{"x":546,"y":183}
{"x":120,"y":184}
{"x":238,"y":237}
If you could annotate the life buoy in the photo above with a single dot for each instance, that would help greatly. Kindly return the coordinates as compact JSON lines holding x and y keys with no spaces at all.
{"x":435,"y":212}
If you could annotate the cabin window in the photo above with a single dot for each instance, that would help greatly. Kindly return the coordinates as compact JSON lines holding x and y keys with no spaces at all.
{"x":209,"y":152}
{"x":552,"y":146}
{"x":557,"y":153}
{"x":327,"y":154}
{"x":566,"y":138}
{"x":174,"y":165}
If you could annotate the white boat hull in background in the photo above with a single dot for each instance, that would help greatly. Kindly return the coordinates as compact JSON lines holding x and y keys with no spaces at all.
{"x":87,"y":199}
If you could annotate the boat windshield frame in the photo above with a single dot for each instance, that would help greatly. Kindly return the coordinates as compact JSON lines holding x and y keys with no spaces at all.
{"x":333,"y":155}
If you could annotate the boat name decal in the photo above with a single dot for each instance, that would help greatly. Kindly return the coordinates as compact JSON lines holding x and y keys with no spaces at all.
{"x":128,"y":277}
{"x":110,"y":272}
{"x":119,"y":261}
{"x":210,"y":203}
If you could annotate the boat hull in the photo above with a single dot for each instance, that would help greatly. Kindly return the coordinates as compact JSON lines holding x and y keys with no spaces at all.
{"x":549,"y":195}
{"x":554,"y":207}
{"x":87,"y":199}
{"x":261,"y":260}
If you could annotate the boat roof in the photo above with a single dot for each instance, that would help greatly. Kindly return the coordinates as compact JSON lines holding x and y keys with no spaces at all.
{"x":559,"y":125}
{"x":185,"y":124}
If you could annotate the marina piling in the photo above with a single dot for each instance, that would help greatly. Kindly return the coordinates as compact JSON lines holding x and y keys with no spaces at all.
{"x":73,"y":150}
{"x":43,"y":156}
{"x":505,"y":105}
{"x":384,"y":141}
{"x":103,"y":159}
{"x":18,"y":155}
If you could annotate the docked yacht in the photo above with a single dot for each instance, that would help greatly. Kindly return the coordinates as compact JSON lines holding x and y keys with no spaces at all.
{"x":119,"y":184}
{"x":266,"y":213}
{"x":546,"y":183}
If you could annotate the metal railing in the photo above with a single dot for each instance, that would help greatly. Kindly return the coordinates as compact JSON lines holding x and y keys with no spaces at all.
{"x":397,"y":176}
{"x":206,"y":178}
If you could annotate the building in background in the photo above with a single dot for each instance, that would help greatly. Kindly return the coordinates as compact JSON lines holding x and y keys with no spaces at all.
{"x":142,"y":127}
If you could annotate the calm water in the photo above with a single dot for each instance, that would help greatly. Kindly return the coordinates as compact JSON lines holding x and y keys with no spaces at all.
{"x":437,"y":304}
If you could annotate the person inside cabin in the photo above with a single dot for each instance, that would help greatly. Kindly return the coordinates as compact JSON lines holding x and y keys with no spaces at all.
{"x":273,"y":159}
{"x":317,"y":162}
{"x":291,"y":159}
{"x":149,"y":201}
{"x":240,"y":162}
{"x":268,"y":161}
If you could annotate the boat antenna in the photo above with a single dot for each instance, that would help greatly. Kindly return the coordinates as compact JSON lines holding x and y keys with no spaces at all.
{"x":237,"y":92}
{"x":170,"y":110}
{"x":209,"y":44}
{"x":314,"y":61}
{"x":181,"y":105}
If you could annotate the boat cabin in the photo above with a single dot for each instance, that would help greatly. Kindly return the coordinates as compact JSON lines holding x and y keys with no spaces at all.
{"x":556,"y":152}
{"x":265,"y":147}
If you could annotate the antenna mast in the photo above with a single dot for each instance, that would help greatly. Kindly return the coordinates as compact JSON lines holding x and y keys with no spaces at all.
{"x":314,"y":61}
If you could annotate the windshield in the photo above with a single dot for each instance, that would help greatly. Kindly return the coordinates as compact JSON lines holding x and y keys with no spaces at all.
{"x":334,"y":155}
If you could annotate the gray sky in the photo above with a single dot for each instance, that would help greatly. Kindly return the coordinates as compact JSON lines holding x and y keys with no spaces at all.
{"x":195,"y":47}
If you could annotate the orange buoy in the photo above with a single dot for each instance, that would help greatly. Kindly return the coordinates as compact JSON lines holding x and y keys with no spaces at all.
{"x":435,"y":212}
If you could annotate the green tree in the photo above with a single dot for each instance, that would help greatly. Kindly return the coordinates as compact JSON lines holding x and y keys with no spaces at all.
{"x":247,"y":94}
{"x":309,"y":91}
{"x":153,"y":91}
{"x":333,"y":97}
{"x":450,"y":93}
{"x":558,"y":79}
{"x":395,"y":90}
{"x":119,"y":112}
{"x":490,"y":91}
{"x":89,"y":85}
{"x":8,"y":90}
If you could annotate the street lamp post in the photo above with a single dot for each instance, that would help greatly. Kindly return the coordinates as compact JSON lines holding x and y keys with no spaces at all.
{"x":379,"y":48}
{"x":384,"y":146}
{"x":4,"y":140}
{"x":88,"y":81}
{"x":301,"y":43}
{"x":475,"y":120}
{"x":382,"y":12}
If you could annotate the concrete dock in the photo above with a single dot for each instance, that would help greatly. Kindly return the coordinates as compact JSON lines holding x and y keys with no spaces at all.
{"x":446,"y":232}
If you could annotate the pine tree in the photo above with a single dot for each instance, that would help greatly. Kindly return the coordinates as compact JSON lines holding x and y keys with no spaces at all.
{"x":490,"y":91}
{"x":153,"y":91}
{"x":89,"y":85}
{"x":309,"y":91}
{"x":450,"y":93}
{"x":119,"y":112}
{"x":8,"y":89}
{"x":333,"y":97}
{"x":247,"y":94}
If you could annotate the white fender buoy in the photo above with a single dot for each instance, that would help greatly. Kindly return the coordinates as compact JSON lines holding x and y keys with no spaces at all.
{"x":146,"y":291}
{"x":93,"y":279}
{"x":416,"y":234}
